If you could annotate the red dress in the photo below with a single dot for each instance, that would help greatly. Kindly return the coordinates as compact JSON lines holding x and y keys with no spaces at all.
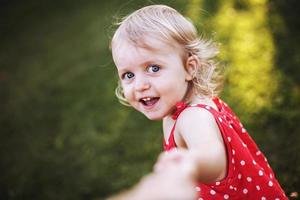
{"x":249,"y":174}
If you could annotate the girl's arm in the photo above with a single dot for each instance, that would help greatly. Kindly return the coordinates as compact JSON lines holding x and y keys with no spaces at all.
{"x":197,"y":132}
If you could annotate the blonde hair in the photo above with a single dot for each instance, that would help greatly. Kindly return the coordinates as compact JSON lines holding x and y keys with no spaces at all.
{"x":168,"y":25}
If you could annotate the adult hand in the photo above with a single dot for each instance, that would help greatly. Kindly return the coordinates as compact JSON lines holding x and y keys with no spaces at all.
{"x":175,"y":181}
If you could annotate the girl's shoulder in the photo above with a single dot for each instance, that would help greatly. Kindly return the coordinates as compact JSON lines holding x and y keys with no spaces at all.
{"x":198,"y":124}
{"x":199,"y":112}
{"x":194,"y":115}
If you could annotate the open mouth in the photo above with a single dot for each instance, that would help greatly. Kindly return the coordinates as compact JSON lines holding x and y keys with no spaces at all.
{"x":149,"y":101}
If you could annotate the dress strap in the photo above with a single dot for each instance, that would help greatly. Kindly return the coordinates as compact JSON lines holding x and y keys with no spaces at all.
{"x":181,"y":106}
{"x":170,"y":142}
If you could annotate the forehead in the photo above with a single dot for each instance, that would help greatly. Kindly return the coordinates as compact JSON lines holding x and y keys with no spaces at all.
{"x":150,"y":43}
{"x":123,"y":49}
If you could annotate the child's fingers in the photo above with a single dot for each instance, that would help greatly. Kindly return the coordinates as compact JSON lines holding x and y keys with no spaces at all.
{"x":167,"y":159}
{"x":177,"y":161}
{"x":161,"y":162}
{"x":173,"y":155}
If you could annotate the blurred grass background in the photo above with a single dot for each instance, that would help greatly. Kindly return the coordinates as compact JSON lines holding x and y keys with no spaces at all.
{"x":63,"y":134}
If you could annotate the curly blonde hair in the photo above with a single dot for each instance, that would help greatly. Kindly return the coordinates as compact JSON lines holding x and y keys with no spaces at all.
{"x":168,"y":25}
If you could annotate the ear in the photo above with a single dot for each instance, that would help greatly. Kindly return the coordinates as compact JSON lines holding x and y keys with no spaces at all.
{"x":192,"y":64}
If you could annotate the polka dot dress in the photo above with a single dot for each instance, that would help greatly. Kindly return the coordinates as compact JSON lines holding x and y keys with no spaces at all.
{"x":249,"y":174}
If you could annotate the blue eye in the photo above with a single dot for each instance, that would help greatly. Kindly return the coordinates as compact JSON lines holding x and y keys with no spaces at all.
{"x":153,"y":68}
{"x":128,"y":75}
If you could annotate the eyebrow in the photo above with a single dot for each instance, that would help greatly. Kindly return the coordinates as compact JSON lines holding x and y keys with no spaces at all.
{"x":146,"y":63}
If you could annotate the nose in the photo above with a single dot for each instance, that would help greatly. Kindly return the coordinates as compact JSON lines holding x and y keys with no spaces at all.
{"x":141,"y":83}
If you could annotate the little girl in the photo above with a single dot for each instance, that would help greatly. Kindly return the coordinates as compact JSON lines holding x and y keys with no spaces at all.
{"x":168,"y":73}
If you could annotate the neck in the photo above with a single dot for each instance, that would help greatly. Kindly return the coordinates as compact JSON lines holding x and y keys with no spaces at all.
{"x":189,"y":94}
{"x":192,"y":97}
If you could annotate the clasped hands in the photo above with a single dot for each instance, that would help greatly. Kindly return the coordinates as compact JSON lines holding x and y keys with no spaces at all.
{"x":174,"y":177}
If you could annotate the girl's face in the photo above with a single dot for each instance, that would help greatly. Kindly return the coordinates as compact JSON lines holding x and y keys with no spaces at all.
{"x":153,"y":80}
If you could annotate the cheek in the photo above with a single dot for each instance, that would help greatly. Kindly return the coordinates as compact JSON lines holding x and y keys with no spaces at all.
{"x":175,"y":89}
{"x":173,"y":83}
{"x":127,"y":92}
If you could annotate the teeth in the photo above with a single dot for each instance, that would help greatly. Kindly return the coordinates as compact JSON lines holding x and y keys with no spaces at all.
{"x":146,"y":99}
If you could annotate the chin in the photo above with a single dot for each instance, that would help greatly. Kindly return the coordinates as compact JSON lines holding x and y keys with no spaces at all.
{"x":153,"y":117}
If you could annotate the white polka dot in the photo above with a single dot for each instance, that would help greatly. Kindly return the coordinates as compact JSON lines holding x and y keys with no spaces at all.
{"x":200,"y":198}
{"x":263,"y":198}
{"x":231,"y":187}
{"x":226,"y":196}
{"x":271,"y":176}
{"x":239,"y":176}
{"x":243,"y":130}
{"x":198,"y":189}
{"x":268,"y":166}
{"x":232,"y":160}
{"x":266,"y":159}
{"x":230,"y":126}
{"x":234,"y":117}
{"x":229,"y":139}
{"x":233,"y":152}
{"x":218,"y":183}
{"x":258,"y":187}
{"x":220,"y":119}
{"x":207,"y":107}
{"x":245,"y":191}
{"x":270,"y":183}
{"x":241,"y":125}
{"x":225,"y":104}
{"x":212,"y":192}
{"x":235,"y":189}
{"x":258,"y":153}
{"x":249,"y":179}
{"x":244,"y":144}
{"x":254,"y":162}
{"x":242,"y":162}
{"x":260,"y":173}
{"x":277,"y":199}
{"x":167,"y":142}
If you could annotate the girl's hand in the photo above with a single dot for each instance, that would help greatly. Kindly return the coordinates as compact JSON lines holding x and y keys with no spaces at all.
{"x":177,"y":161}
